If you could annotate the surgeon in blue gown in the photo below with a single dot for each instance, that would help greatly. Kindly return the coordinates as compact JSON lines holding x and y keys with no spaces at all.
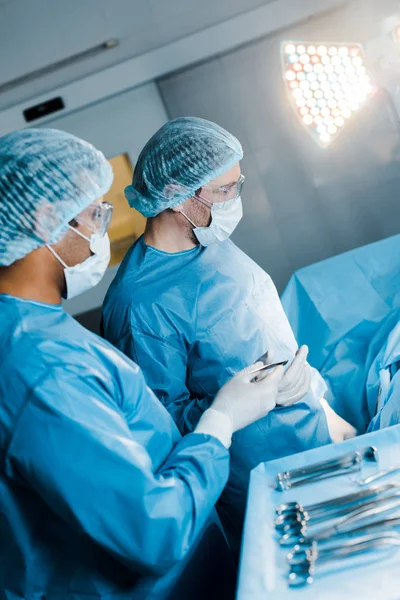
{"x":192,"y":309}
{"x":100,"y":496}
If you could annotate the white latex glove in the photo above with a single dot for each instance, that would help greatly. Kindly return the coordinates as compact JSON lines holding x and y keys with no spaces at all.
{"x":339,"y":429}
{"x":239,"y":403}
{"x":295,"y":383}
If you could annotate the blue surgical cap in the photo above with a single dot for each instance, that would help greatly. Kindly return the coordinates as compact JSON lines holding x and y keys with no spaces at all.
{"x":47,"y":177}
{"x":182,"y":156}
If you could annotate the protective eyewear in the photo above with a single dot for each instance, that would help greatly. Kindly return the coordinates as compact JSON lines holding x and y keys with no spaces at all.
{"x":96,"y":217}
{"x":222,"y":193}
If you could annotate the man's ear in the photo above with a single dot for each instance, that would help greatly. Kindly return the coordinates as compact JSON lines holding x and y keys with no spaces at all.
{"x":46,"y":221}
{"x":172,"y":190}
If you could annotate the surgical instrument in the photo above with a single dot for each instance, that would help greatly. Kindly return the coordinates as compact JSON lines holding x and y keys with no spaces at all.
{"x":379,"y":475}
{"x":267,"y":368}
{"x":329,"y":508}
{"x":348,"y":463}
{"x":300,"y":551}
{"x":303,"y":572}
{"x":290,"y":507}
{"x":302,"y":535}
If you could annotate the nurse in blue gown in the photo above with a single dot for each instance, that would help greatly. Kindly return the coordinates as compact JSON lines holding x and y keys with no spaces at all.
{"x":100,"y":496}
{"x":192,"y":309}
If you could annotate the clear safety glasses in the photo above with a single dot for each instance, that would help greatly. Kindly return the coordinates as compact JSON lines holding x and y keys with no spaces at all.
{"x":96,"y":217}
{"x":220,"y":194}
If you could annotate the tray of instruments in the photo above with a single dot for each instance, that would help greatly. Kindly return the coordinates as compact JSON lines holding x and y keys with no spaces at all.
{"x":325,"y":524}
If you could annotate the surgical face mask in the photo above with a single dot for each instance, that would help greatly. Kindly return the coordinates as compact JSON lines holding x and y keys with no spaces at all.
{"x":82,"y":277}
{"x":225,"y":217}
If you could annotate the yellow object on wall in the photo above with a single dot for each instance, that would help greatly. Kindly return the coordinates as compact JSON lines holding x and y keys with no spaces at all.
{"x":127,"y":224}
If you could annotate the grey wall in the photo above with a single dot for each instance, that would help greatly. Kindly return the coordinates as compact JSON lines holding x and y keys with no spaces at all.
{"x":302,"y":203}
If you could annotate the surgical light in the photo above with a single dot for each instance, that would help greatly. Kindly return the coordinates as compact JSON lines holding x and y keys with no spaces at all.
{"x":331,"y":84}
{"x":290,"y":49}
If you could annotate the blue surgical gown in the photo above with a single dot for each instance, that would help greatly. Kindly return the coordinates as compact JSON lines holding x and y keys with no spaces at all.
{"x":336,"y":307}
{"x":100,"y":497}
{"x":191,"y":320}
{"x":383,"y":381}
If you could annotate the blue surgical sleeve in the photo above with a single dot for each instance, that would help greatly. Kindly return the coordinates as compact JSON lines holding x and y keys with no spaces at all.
{"x":165,"y":366}
{"x":73,"y":446}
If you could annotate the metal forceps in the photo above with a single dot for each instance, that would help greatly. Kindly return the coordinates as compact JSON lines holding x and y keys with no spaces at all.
{"x":366,"y":514}
{"x":267,"y":368}
{"x":347,"y":463}
{"x":289,"y":508}
{"x":299,"y":516}
{"x":303,"y":572}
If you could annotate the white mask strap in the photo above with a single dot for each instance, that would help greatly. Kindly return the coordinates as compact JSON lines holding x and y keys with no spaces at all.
{"x":54,"y":253}
{"x":79,"y":233}
{"x":187,"y":218}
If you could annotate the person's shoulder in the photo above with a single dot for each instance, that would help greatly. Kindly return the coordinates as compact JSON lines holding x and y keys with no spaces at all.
{"x":40,"y":341}
{"x":240,"y":260}
{"x":126,"y":285}
{"x":39,"y":357}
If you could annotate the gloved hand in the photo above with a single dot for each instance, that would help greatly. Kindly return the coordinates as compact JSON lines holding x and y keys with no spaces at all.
{"x":295,"y":383}
{"x":239,"y":403}
{"x":339,"y":429}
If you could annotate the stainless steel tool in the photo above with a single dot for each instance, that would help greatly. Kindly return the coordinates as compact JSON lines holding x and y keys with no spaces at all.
{"x":303,"y":572}
{"x":302,"y":517}
{"x":296,"y":513}
{"x":343,"y":465}
{"x":301,"y":551}
{"x":367,"y":513}
{"x":294,"y":507}
{"x":266,"y":368}
{"x":379,"y":475}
